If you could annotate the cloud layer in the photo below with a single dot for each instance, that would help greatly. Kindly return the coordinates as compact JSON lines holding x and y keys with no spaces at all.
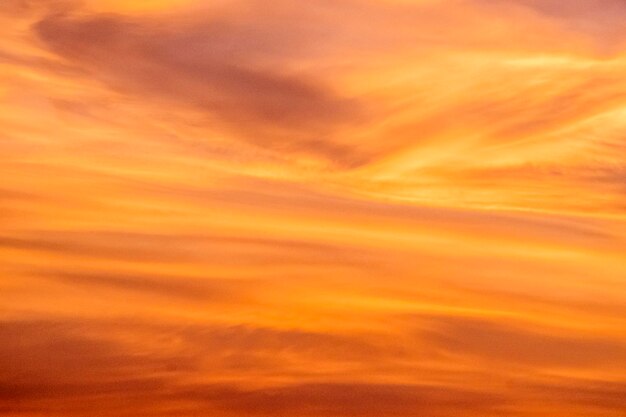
{"x":324,"y":208}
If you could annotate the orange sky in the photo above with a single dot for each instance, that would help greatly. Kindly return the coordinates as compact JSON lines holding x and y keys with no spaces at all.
{"x":322,"y":208}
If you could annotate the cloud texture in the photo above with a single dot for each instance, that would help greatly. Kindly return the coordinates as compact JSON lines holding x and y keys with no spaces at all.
{"x":325,"y":208}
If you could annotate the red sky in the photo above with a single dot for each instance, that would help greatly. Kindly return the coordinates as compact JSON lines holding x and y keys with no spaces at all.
{"x":322,"y":208}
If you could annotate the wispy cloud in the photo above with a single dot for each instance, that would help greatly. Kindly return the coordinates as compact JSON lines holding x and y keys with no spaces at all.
{"x":322,"y":208}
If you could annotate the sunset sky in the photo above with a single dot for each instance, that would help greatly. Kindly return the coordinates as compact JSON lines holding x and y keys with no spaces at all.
{"x":312,"y":208}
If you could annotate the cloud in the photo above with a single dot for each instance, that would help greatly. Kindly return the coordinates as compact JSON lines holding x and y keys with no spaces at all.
{"x":324,"y":208}
{"x":597,"y":17}
{"x":173,"y":248}
{"x":350,"y":399}
{"x":596,"y":395}
{"x":510,"y":344}
{"x":78,"y":366}
{"x":68,"y":367}
{"x":214,"y":67}
{"x":207,"y":290}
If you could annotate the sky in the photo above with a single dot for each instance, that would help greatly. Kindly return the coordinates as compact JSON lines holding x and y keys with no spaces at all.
{"x":321,"y":208}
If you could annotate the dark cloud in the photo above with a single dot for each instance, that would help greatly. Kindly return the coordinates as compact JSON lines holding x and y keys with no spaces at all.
{"x":78,"y":366}
{"x":581,"y":9}
{"x":7,"y":196}
{"x":349,"y":399}
{"x":245,"y":345}
{"x":587,"y":394}
{"x":184,"y":288}
{"x":75,"y":350}
{"x":57,"y":355}
{"x":82,"y":367}
{"x":71,"y":244}
{"x":168,"y":248}
{"x":602,"y":19}
{"x":217,"y":66}
{"x":508,"y":343}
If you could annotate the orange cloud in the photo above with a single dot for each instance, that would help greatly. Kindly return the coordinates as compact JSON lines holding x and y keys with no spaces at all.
{"x":323,"y":208}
